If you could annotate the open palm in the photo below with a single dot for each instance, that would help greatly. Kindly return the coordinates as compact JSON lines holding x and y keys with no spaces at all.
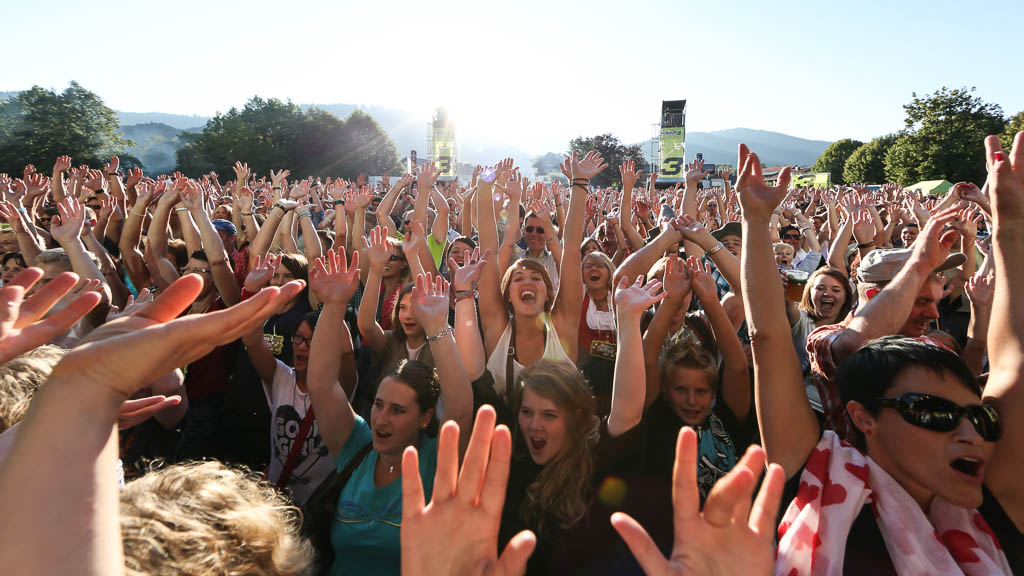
{"x":333,"y":279}
{"x":758,"y":199}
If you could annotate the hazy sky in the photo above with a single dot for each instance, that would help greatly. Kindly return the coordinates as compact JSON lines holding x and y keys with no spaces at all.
{"x":531,"y":73}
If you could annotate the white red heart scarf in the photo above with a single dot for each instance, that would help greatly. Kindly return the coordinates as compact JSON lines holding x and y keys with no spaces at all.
{"x":837,"y":481}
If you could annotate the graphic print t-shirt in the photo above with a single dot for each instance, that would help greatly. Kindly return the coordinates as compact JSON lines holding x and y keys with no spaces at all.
{"x":288,"y":406}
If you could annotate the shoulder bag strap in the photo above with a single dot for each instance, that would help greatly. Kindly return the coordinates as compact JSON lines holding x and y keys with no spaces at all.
{"x":293,"y":454}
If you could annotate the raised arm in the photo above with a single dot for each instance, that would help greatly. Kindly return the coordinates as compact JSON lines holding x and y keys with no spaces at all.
{"x":887,"y":312}
{"x":735,"y":387}
{"x":335,"y":281}
{"x":677,"y":288}
{"x":566,"y":309}
{"x":377,"y":250}
{"x":260,"y":355}
{"x":131,"y":234}
{"x":697,"y":235}
{"x":387,"y":204}
{"x":789,"y":429}
{"x":265,"y":237}
{"x":430,"y":308}
{"x":1005,"y":387}
{"x":628,"y":394}
{"x":493,"y":313}
{"x":68,"y":232}
{"x":192,"y":197}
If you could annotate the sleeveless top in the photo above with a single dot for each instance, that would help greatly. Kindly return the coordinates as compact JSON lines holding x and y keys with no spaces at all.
{"x":497,"y":362}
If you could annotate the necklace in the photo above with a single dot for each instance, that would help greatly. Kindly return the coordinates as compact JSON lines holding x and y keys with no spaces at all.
{"x":391,"y":468}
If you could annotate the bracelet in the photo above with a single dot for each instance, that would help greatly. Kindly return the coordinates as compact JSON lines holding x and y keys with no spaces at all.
{"x":714,"y":249}
{"x":447,"y":330}
{"x":303,"y":214}
{"x":336,"y":202}
{"x":804,"y":229}
{"x":276,"y":188}
{"x":463,"y":294}
{"x":22,"y":209}
{"x":181,"y":209}
{"x":866,"y":245}
{"x":143,"y":215}
{"x":246,"y":214}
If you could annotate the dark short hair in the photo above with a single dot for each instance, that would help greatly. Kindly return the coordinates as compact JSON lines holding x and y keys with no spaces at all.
{"x":872,"y":370}
{"x":14,"y":256}
{"x":199,"y":255}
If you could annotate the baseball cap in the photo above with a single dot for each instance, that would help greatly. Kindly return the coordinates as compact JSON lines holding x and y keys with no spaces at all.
{"x":225,"y":226}
{"x":883,"y":265}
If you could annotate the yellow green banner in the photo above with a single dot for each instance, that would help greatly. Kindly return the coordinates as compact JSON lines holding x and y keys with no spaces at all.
{"x":672,"y":163}
{"x":444,"y":151}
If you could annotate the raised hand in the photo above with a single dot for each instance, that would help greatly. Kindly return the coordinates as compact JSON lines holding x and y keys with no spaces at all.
{"x":935,"y":241}
{"x":21,"y":325}
{"x":701,"y":281}
{"x":62,"y":164}
{"x":276,"y":178}
{"x":134,"y":176}
{"x":629,"y":174}
{"x":676,"y":280}
{"x":708,"y":541}
{"x":457,"y":533}
{"x":241,"y":172}
{"x":757,"y":199}
{"x":465,"y":277}
{"x":68,"y":224}
{"x":36,"y":185}
{"x":192,"y":196}
{"x":633,"y":300}
{"x":127,"y":353}
{"x":591,"y":165}
{"x":93,"y":180}
{"x":333,"y":280}
{"x":1006,"y":179}
{"x":135,"y":412}
{"x":695,"y":171}
{"x":690,"y":228}
{"x":246,"y":200}
{"x":414,"y":241}
{"x":980,"y":289}
{"x":110,"y":168}
{"x":378,"y":248}
{"x":262,"y":271}
{"x":430,"y":302}
{"x":863,"y":227}
{"x":426,"y":177}
{"x":132,"y":306}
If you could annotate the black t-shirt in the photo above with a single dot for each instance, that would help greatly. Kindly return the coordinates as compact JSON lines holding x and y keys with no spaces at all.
{"x":662,"y":427}
{"x":866,"y":551}
{"x":591,"y":545}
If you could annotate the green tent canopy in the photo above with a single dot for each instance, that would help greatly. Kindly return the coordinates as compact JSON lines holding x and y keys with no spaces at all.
{"x":935,"y":187}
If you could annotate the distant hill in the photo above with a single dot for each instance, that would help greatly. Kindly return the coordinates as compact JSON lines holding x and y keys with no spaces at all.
{"x":179,"y":121}
{"x":155,"y":145}
{"x":774,"y":148}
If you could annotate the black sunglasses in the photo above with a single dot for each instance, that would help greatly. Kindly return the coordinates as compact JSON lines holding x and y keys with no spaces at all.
{"x":394,"y":258}
{"x":940,"y":415}
{"x":537,"y":229}
{"x":791,"y":236}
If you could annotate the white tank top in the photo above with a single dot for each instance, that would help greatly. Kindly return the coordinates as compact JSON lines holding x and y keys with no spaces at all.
{"x":497,"y":362}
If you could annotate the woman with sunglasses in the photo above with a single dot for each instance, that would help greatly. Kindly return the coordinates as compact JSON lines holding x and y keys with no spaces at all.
{"x":524,"y":318}
{"x":931,"y":486}
{"x":285,"y":389}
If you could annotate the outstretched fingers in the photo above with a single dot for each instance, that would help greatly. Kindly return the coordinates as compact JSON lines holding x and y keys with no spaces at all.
{"x":640,"y":544}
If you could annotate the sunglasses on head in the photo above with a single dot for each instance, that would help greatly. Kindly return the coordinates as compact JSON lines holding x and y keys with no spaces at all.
{"x":791,"y":236}
{"x":940,"y":415}
{"x":537,"y":229}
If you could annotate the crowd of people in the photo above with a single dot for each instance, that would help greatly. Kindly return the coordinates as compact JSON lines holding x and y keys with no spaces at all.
{"x":277,"y":375}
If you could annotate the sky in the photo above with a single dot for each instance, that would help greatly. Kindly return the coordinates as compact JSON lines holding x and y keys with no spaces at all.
{"x":532,"y":73}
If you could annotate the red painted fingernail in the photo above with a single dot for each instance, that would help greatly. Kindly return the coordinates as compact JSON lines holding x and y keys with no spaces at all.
{"x":998,"y":155}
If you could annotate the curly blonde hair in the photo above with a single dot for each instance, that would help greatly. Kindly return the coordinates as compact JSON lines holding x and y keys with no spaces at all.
{"x":562,"y":486}
{"x":20,"y":377}
{"x":207,"y":518}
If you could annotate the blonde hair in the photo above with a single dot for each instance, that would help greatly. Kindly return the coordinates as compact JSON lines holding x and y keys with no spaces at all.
{"x":562,"y":486}
{"x":686,"y":350}
{"x":20,"y":377}
{"x":784,"y":247}
{"x":206,"y":518}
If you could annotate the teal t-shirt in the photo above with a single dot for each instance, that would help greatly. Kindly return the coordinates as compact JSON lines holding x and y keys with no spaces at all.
{"x":367,"y":523}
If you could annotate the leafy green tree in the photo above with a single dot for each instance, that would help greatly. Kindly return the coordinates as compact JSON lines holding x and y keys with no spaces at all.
{"x":833,"y":159}
{"x":38,"y":125}
{"x":614,"y":153}
{"x":944,"y":138}
{"x":867,"y":163}
{"x":1013,"y":125}
{"x":271,"y":134}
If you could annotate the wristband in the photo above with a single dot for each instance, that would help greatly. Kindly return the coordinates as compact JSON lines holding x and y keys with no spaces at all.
{"x":714,"y":249}
{"x":276,"y":188}
{"x":143,"y":215}
{"x":804,"y":229}
{"x":447,"y":330}
{"x":463,"y":294}
{"x":181,"y":209}
{"x":336,"y":202}
{"x":866,"y":245}
{"x":303,"y":214}
{"x":246,"y":214}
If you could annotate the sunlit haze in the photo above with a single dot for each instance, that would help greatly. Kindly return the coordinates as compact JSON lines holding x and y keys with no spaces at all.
{"x":530,"y":73}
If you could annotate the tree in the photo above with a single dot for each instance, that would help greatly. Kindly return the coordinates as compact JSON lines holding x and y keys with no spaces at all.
{"x":833,"y":159}
{"x":867,"y":163}
{"x":944,"y":138}
{"x":1013,"y":125}
{"x":271,"y":134}
{"x":614,"y":153}
{"x":38,"y":125}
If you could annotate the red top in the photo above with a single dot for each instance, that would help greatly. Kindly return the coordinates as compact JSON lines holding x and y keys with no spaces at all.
{"x":588,"y":334}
